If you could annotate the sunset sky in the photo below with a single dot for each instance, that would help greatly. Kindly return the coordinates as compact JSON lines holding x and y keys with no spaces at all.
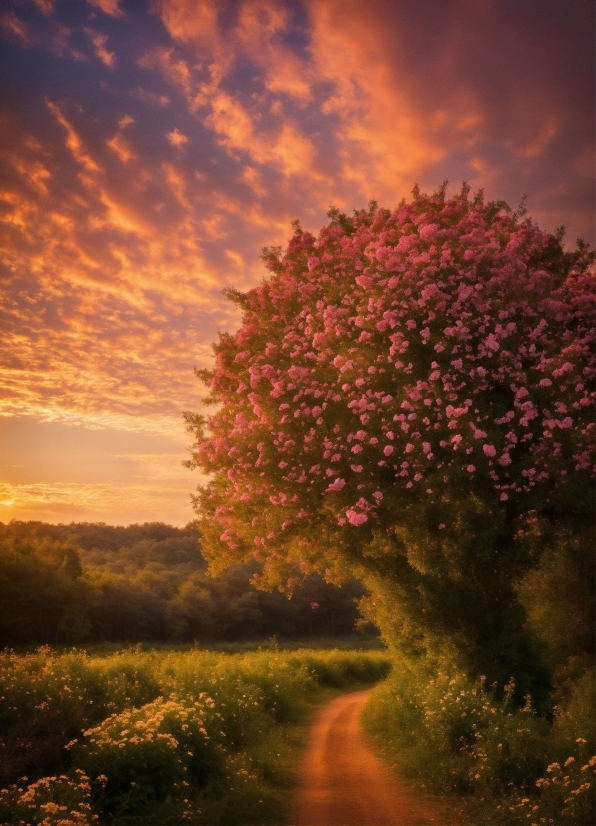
{"x":149,"y":150}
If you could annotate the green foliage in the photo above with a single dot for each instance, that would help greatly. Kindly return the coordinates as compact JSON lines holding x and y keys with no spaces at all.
{"x":44,"y":598}
{"x":159,"y":737}
{"x":558,"y":596}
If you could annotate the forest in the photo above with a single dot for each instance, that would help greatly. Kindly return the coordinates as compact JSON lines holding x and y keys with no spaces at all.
{"x":95,"y":583}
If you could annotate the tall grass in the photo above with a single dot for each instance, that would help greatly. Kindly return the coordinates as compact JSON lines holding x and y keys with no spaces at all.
{"x":145,"y":736}
{"x":494,"y":763}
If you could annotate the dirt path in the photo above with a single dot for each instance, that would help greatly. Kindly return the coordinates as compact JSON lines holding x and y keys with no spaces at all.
{"x":343,"y":783}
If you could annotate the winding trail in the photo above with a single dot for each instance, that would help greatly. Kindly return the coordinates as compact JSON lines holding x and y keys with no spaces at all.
{"x":343,"y":783}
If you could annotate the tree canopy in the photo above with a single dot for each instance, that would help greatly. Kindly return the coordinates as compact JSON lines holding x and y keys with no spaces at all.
{"x":409,"y":396}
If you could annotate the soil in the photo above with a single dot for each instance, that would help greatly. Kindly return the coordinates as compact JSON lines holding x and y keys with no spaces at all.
{"x":343,"y":783}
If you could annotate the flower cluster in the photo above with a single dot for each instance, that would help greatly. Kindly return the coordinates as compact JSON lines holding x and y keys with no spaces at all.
{"x":398,"y":361}
{"x":51,"y":801}
{"x":567,"y":792}
{"x":177,"y":726}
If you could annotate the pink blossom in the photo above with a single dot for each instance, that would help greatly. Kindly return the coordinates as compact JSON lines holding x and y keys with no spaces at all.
{"x":428,"y":231}
{"x":388,"y":450}
{"x":492,"y":343}
{"x":355,"y":518}
{"x":357,"y":468}
{"x":565,"y":368}
{"x":471,"y":468}
{"x":489,"y":450}
{"x":337,"y":485}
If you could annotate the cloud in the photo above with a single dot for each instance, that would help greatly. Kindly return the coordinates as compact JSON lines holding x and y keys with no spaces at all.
{"x":104,"y":472}
{"x":194,"y":21}
{"x":260,"y":29}
{"x":176,"y":138}
{"x":45,"y":6}
{"x":15,"y":27}
{"x":148,"y":96}
{"x":99,"y":41}
{"x":73,"y":140}
{"x":120,"y":146}
{"x":115,"y":504}
{"x":110,"y":7}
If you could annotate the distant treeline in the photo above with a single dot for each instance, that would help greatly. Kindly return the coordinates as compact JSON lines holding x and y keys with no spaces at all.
{"x":91,"y":582}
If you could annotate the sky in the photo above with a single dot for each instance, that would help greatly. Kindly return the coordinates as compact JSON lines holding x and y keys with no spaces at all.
{"x":149,"y":149}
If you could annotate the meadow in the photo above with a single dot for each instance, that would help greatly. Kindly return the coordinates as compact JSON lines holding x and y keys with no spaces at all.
{"x":161,"y":736}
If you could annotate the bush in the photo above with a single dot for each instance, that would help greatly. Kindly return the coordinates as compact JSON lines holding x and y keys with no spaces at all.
{"x":504,"y":764}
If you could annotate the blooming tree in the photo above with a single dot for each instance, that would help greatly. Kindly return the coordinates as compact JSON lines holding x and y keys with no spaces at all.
{"x":408,"y":395}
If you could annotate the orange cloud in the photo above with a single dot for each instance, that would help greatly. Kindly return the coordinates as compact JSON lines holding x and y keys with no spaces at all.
{"x":120,"y":146}
{"x":99,"y":41}
{"x":190,"y":20}
{"x":73,"y":141}
{"x":118,"y":504}
{"x":110,"y":7}
{"x":176,"y":138}
{"x":45,"y":6}
{"x":260,"y":26}
{"x":12,"y":25}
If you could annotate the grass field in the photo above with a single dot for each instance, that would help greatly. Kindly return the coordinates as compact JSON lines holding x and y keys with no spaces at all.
{"x":161,"y":736}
